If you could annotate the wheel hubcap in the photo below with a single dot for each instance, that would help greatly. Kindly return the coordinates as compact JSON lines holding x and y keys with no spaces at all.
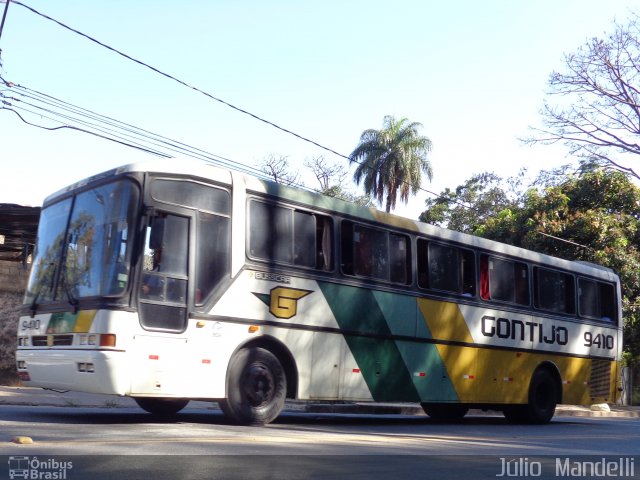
{"x":258,"y":384}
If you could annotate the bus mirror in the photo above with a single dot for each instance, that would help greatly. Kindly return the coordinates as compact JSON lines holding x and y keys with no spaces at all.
{"x":157,"y":232}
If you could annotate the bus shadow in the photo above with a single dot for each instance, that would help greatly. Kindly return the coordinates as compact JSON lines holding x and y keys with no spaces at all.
{"x":213,"y":416}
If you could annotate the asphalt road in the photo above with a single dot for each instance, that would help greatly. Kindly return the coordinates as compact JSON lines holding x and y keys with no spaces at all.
{"x":121,"y":442}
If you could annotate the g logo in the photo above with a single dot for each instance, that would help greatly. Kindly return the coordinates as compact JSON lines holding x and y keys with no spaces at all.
{"x":284,"y":301}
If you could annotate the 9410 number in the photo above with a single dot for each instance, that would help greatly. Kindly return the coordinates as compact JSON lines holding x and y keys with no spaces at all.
{"x":602,"y":341}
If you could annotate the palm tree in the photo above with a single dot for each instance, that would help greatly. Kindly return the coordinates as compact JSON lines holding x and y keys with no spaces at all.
{"x":392,"y":160}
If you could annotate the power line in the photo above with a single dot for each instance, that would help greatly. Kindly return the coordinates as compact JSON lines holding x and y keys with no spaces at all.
{"x":586,"y":247}
{"x":4,"y":17}
{"x":217,"y":99}
{"x":18,"y":98}
{"x":83,"y":130}
{"x":182,"y":82}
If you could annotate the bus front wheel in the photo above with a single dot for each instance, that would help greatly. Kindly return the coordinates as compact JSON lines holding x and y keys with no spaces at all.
{"x":256,"y":387}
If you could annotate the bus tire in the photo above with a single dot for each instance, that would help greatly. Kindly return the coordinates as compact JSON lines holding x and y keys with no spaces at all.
{"x":445,"y":412}
{"x":256,"y":387}
{"x":543,"y":398}
{"x":161,"y":406}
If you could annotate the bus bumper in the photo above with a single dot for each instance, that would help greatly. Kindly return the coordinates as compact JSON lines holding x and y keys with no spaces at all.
{"x":100,"y":371}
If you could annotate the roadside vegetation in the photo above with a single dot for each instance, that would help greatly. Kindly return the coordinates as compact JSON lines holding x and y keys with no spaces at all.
{"x":10,"y":304}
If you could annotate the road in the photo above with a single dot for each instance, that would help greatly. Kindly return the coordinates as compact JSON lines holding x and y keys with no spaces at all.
{"x":200,"y":443}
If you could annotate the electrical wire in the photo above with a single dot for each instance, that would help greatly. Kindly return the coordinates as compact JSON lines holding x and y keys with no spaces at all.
{"x":18,"y":98}
{"x":85,"y":131}
{"x":217,"y":99}
{"x":181,"y":82}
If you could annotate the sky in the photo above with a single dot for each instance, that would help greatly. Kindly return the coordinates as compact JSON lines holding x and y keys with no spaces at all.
{"x":474,"y":74}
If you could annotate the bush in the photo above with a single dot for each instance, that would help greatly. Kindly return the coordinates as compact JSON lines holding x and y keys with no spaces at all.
{"x":10,"y":304}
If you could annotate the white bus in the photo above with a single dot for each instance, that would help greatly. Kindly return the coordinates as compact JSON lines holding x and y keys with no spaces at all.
{"x":170,"y":280}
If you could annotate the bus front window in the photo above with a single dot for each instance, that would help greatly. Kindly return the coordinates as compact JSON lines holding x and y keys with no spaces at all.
{"x":84,"y":246}
{"x":51,"y":235}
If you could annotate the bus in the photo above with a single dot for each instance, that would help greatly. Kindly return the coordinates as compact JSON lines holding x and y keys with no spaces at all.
{"x":170,"y":281}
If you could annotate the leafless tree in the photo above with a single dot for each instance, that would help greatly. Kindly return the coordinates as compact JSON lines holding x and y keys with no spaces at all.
{"x":328,"y":175}
{"x":331,"y":178}
{"x":277,"y":167}
{"x":596,"y":109}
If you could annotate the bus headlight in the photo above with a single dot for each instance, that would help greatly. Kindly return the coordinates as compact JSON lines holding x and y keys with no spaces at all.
{"x":85,"y":339}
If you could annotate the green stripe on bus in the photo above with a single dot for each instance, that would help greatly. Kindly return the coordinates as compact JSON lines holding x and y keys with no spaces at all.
{"x":379,"y":359}
{"x":428,"y":372}
{"x":400,"y":312}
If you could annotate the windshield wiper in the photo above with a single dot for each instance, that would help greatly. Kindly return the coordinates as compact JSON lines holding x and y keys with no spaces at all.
{"x":73,"y":301}
{"x":34,"y":303}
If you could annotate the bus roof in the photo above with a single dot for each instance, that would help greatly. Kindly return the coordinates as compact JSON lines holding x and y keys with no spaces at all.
{"x":202,"y":170}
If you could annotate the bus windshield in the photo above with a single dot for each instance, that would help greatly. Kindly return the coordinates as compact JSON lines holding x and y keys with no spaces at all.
{"x":84,"y":244}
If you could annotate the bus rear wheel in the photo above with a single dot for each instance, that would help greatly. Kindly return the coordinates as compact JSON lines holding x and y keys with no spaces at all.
{"x":161,"y":406}
{"x":256,"y":387}
{"x":543,"y":398}
{"x":447,"y":412}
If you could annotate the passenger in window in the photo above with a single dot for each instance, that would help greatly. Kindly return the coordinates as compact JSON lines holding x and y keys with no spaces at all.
{"x":156,"y":259}
{"x":153,"y":285}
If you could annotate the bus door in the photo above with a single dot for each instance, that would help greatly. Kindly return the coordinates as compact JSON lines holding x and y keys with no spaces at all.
{"x":163,"y":289}
{"x":164,"y":281}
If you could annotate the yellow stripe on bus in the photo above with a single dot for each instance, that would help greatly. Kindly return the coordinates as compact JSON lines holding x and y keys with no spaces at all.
{"x":84,"y":321}
{"x":499,"y":376}
{"x":444,"y":320}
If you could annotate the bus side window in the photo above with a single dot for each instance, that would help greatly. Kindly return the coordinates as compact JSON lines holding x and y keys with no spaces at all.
{"x":608,"y":303}
{"x":214,"y":253}
{"x":399,"y":259}
{"x":447,"y":268}
{"x":423,"y":277}
{"x":289,"y":236}
{"x":346,"y":244}
{"x":324,"y":239}
{"x":444,"y":268}
{"x":468,"y":273}
{"x":554,"y":291}
{"x":596,"y":300}
{"x":371,"y":252}
{"x":504,"y":280}
{"x":304,"y":239}
{"x":484,"y":278}
{"x":270,"y":232}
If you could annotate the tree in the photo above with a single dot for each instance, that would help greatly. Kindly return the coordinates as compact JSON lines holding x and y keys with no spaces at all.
{"x":597,"y":114}
{"x":331,"y":179}
{"x":10,"y":306}
{"x":327,"y":175}
{"x":277,"y":167}
{"x":470,"y":205}
{"x":591,"y":215}
{"x":392,"y":160}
